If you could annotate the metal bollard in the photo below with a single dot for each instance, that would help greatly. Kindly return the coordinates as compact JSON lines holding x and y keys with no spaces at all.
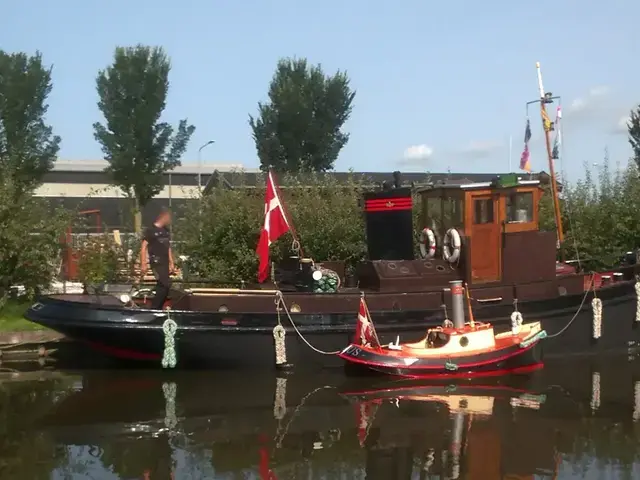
{"x":457,"y":303}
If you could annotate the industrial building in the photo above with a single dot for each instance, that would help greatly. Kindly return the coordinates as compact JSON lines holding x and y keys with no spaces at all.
{"x":84,"y":186}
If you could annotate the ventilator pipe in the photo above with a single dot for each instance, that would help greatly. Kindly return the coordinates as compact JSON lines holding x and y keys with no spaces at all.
{"x":457,"y":303}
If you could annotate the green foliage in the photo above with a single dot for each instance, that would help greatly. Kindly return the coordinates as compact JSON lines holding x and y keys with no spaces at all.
{"x":28,"y":147}
{"x":29,"y":230}
{"x":30,"y":235}
{"x":220,"y":235}
{"x":634,"y":134}
{"x":601,"y":216}
{"x":299,"y":129}
{"x":138,"y":146}
{"x":97,"y":260}
{"x":12,"y":316}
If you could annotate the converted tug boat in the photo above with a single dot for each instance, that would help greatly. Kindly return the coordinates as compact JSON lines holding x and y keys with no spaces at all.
{"x":486,"y":235}
{"x":453,"y":350}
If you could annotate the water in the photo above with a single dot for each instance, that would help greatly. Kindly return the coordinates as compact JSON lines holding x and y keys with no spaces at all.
{"x":574,"y":419}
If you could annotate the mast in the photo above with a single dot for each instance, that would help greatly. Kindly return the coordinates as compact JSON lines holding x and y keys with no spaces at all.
{"x":544,"y":99}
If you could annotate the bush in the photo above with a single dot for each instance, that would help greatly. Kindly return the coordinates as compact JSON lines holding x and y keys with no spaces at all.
{"x":30,"y":240}
{"x":602,"y":217}
{"x":220,"y":233}
{"x":97,"y":260}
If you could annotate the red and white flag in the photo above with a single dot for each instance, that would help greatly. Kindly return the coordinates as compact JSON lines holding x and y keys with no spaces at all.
{"x":365,"y":331}
{"x":275,"y":225}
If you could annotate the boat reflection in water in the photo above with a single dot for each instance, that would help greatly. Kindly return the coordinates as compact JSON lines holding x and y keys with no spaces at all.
{"x":213,"y":426}
{"x":467,"y":442}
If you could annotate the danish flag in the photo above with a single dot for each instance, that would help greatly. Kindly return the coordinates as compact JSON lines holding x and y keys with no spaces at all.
{"x":275,"y":225}
{"x":365,"y":331}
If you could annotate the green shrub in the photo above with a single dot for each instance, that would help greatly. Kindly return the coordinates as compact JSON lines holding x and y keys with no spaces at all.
{"x":97,"y":259}
{"x":30,"y":240}
{"x":220,"y":233}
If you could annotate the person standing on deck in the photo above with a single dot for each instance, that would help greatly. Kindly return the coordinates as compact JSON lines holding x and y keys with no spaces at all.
{"x":156,"y":242}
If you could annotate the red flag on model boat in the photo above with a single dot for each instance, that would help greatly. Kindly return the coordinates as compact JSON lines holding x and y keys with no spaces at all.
{"x":365,"y":331}
{"x":275,"y":225}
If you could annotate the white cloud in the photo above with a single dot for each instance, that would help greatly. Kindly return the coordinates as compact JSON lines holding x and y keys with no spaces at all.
{"x":622,"y":125}
{"x":595,"y":99}
{"x":418,"y":153}
{"x":599,"y":91}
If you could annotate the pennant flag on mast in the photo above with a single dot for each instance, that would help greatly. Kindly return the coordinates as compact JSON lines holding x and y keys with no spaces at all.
{"x":275,"y":225}
{"x":524,"y":158}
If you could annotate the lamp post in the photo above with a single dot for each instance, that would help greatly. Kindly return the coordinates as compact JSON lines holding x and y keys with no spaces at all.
{"x":210,"y":142}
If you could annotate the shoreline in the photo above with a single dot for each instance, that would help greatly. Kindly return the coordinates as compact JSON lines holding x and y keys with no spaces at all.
{"x":16,"y":338}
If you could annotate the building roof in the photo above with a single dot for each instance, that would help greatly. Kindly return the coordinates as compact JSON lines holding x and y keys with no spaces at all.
{"x":255,"y":179}
{"x":189,"y":168}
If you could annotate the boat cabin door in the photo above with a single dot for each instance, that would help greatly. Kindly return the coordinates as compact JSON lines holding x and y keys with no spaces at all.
{"x":485,"y":235}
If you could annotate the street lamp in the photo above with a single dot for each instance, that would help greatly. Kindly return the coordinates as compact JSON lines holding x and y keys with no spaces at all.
{"x":210,"y":142}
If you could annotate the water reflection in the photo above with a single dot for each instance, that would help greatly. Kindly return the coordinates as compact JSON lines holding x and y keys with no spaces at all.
{"x":575,"y":419}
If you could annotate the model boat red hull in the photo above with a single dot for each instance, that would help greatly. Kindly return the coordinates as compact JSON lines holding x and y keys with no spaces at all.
{"x":472,"y":351}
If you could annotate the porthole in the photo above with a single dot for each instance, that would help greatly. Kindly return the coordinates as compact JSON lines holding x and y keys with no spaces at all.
{"x":464,"y":341}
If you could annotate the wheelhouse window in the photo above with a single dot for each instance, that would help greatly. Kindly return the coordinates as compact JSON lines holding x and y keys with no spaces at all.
{"x":432,"y":212}
{"x":453,"y":212}
{"x":443,"y":210}
{"x":519,"y":207}
{"x":483,"y":211}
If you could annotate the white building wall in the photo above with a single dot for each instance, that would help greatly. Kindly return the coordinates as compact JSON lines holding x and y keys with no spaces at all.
{"x":84,"y":190}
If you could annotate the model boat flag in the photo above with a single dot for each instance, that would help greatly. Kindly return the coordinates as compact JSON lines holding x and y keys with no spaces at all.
{"x":525,"y":164}
{"x":275,"y":225}
{"x":365,"y":331}
{"x":557,"y":142}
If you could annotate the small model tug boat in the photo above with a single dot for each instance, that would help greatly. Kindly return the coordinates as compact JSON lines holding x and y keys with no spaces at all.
{"x":456,"y":349}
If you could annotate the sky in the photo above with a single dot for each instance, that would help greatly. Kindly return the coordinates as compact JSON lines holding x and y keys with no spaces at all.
{"x":439,"y":85}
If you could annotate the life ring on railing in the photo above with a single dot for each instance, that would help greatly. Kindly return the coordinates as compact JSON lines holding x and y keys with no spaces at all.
{"x":427,"y":243}
{"x":451,"y":246}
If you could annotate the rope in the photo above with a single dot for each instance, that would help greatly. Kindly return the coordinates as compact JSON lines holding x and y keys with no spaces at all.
{"x":279,"y":334}
{"x":282,"y":432}
{"x":584,"y":299}
{"x":169,"y":390}
{"x":280,"y":302}
{"x":596,"y":305}
{"x":595,"y":391}
{"x":637,"y":300}
{"x":169,"y":328}
{"x":280,"y":400}
{"x":567,"y":204}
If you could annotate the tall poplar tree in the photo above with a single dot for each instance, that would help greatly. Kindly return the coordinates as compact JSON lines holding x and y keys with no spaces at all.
{"x":139,"y":147}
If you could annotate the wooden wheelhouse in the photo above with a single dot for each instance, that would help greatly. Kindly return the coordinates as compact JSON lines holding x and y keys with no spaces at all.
{"x":498,"y":223}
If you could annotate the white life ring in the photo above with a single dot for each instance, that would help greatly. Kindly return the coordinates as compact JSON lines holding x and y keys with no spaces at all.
{"x":451,"y":247}
{"x":427,"y":243}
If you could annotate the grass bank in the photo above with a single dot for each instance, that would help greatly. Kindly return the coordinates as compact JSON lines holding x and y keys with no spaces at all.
{"x":11,"y":319}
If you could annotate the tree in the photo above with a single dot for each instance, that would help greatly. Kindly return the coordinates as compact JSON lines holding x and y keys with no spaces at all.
{"x":299,"y":129}
{"x":138,"y":146}
{"x":634,"y":134}
{"x":28,"y":148}
{"x":29,"y":230}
